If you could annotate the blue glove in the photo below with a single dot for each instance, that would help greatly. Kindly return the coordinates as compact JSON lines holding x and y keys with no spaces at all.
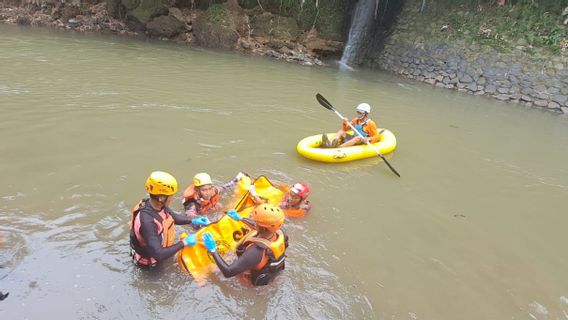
{"x":201,"y":221}
{"x":190,"y":240}
{"x":234,"y":215}
{"x":209,"y":242}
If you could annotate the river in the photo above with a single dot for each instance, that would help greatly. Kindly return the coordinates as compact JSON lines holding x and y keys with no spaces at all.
{"x":474,"y":229}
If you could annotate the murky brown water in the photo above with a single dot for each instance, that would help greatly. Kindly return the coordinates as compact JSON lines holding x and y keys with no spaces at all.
{"x":474,"y":229}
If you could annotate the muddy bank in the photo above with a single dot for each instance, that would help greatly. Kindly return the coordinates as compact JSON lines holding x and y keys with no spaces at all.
{"x":255,"y":30}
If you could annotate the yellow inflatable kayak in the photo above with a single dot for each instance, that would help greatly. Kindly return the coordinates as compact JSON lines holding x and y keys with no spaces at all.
{"x":226,"y":231}
{"x":309,"y":147}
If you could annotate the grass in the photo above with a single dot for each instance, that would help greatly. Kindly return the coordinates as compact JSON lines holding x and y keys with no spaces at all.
{"x":527,"y":23}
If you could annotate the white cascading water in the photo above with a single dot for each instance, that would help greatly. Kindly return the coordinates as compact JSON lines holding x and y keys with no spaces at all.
{"x":361,"y":24}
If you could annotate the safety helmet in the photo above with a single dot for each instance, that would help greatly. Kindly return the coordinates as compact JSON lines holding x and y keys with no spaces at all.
{"x":268,"y":216}
{"x":201,"y":179}
{"x":301,"y":189}
{"x":364,"y":107}
{"x":161,"y":183}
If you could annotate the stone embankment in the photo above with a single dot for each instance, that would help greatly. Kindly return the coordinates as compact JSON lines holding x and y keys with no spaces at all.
{"x":420,"y":50}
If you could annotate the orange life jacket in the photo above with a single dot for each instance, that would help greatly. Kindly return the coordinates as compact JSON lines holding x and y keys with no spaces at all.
{"x":164,"y":227}
{"x":292,"y":211}
{"x":273,"y":256}
{"x":190,"y":194}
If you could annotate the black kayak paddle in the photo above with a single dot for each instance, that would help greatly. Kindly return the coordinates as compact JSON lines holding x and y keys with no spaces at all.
{"x":326,"y":104}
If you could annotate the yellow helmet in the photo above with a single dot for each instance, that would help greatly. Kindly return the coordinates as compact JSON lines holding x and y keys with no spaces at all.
{"x":268,"y":216}
{"x":161,"y":183}
{"x":201,"y":179}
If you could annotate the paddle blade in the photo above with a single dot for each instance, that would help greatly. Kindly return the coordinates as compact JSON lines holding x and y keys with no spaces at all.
{"x":323,"y":101}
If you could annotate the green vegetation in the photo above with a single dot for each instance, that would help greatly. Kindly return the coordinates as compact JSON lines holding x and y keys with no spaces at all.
{"x":215,"y":13}
{"x":526,"y":23}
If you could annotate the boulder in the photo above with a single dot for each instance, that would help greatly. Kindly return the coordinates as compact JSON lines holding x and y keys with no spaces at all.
{"x":268,"y":24}
{"x":165,"y":26}
{"x":220,"y":26}
{"x":145,"y":11}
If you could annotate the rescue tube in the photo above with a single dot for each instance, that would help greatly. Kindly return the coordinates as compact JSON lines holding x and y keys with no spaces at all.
{"x":226,"y":231}
{"x":309,"y":147}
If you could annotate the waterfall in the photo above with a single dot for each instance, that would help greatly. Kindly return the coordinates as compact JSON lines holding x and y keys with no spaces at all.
{"x":359,"y":32}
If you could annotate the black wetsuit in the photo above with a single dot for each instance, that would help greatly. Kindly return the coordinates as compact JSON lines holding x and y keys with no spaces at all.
{"x":247,"y":261}
{"x":153,"y":241}
{"x":250,"y":258}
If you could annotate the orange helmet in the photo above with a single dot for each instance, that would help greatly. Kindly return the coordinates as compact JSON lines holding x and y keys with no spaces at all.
{"x":268,"y":216}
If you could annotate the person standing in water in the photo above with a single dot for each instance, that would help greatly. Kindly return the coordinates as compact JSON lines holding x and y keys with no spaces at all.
{"x":152,"y":232}
{"x":261,"y":253}
{"x":202,"y":197}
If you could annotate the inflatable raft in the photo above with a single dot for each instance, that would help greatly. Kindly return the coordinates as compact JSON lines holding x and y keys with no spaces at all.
{"x":309,"y":147}
{"x":226,"y":231}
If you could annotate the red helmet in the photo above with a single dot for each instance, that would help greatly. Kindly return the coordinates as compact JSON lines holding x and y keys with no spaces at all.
{"x":300,"y":189}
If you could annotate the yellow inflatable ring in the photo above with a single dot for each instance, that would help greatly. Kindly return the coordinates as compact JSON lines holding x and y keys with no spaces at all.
{"x":309,"y":148}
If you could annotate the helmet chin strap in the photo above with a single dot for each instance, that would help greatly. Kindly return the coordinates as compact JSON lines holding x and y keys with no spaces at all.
{"x":163,"y":203}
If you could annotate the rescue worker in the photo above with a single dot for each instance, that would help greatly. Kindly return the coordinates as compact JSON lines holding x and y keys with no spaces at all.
{"x":202,"y":197}
{"x":296,"y":203}
{"x":152,"y":232}
{"x":362,"y":123}
{"x":261,"y":253}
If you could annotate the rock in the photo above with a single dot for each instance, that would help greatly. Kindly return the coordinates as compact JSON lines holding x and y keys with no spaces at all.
{"x":526,"y":98}
{"x":219,"y":27}
{"x":553,"y":90}
{"x":503,"y":90}
{"x":176,"y":13}
{"x":503,"y":97}
{"x":564,"y":110}
{"x":561,"y":99}
{"x":165,"y":26}
{"x":541,"y":103}
{"x":553,"y":105}
{"x":145,"y":11}
{"x":268,"y":24}
{"x":472,"y":87}
{"x":324,"y":48}
{"x":527,"y":90}
{"x":491,"y":89}
{"x":466,"y":78}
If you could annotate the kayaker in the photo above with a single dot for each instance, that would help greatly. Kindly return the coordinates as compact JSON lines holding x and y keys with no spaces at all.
{"x":152,"y":232}
{"x":261,"y":253}
{"x":362,"y":123}
{"x":202,"y":197}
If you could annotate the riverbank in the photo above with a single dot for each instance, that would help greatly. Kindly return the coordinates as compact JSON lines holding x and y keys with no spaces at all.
{"x":444,"y":50}
{"x":222,"y":26}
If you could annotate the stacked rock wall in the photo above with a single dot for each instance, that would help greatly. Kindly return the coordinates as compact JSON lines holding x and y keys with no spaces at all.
{"x":419,"y":49}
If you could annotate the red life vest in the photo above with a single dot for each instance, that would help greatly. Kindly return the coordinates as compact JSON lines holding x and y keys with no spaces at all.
{"x":191,"y":195}
{"x":273,"y":256}
{"x":164,"y":227}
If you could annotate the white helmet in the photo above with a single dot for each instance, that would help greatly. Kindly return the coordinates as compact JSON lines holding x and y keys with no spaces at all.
{"x":364,"y":107}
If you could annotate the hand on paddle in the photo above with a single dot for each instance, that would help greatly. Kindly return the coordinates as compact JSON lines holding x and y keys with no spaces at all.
{"x":209,"y":242}
{"x":326,"y":104}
